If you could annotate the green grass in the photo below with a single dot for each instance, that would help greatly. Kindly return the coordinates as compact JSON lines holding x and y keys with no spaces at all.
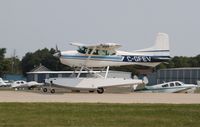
{"x":98,"y":115}
{"x":197,"y":90}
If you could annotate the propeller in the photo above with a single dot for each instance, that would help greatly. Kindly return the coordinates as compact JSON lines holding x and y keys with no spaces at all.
{"x":145,"y":80}
{"x":57,"y":53}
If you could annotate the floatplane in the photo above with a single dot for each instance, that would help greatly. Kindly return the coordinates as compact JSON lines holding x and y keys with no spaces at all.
{"x":104,"y":55}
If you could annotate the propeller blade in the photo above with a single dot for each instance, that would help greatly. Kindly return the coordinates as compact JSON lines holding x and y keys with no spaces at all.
{"x":58,"y":52}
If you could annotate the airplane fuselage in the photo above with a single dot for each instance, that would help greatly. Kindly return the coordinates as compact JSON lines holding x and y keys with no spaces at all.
{"x":170,"y":87}
{"x":73,"y":58}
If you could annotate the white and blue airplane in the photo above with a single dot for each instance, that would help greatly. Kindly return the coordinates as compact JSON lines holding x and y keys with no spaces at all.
{"x":106,"y":55}
{"x":103,"y":55}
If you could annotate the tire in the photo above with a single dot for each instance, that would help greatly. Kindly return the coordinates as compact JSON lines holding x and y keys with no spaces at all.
{"x":44,"y":90}
{"x":100,"y":90}
{"x":53,"y":91}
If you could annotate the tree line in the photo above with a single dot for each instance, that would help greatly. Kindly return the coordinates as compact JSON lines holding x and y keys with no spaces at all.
{"x":45,"y":57}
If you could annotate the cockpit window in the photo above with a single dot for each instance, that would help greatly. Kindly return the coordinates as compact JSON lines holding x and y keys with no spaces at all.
{"x":171,"y":84}
{"x":101,"y":52}
{"x":82,"y":50}
{"x":178,"y":84}
{"x":165,"y":85}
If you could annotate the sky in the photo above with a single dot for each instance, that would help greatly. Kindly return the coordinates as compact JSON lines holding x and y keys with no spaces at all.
{"x":29,"y":25}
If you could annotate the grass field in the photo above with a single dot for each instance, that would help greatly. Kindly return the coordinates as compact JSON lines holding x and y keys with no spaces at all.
{"x":98,"y":115}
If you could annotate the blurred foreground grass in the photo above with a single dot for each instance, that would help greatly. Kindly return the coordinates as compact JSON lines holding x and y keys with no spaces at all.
{"x":98,"y":115}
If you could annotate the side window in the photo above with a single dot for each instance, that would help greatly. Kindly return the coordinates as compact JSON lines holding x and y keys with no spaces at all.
{"x":178,"y":84}
{"x":171,"y":84}
{"x":165,"y":85}
{"x":102,"y":52}
{"x":96,"y":52}
{"x":111,"y":52}
{"x":90,"y":50}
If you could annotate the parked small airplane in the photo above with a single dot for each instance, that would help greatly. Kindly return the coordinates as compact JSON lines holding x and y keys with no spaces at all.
{"x":198,"y":82}
{"x":20,"y":84}
{"x":2,"y":83}
{"x":33,"y":84}
{"x":106,"y":55}
{"x":169,"y":87}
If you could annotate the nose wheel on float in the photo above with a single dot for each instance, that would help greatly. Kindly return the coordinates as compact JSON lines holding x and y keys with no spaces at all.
{"x":51,"y":89}
{"x":46,"y":90}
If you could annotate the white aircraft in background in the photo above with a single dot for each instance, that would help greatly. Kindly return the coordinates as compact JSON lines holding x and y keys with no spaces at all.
{"x":106,"y":55}
{"x":2,"y":83}
{"x":33,"y":84}
{"x":169,"y":87}
{"x":20,"y":84}
{"x":198,"y":82}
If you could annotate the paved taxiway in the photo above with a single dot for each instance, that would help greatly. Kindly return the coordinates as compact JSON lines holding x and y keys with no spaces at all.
{"x":20,"y":96}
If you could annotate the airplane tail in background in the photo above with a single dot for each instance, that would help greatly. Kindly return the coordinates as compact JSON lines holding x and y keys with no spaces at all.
{"x":161,"y":46}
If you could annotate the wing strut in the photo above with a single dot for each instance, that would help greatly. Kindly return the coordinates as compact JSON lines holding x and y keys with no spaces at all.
{"x":82,"y":67}
{"x":107,"y":69}
{"x":90,"y":55}
{"x":80,"y":71}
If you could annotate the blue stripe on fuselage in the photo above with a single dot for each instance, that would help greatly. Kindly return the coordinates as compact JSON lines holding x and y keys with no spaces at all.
{"x":115,"y":58}
{"x":123,"y":58}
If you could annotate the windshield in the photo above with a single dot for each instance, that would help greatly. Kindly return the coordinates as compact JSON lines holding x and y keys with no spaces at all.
{"x":82,"y":50}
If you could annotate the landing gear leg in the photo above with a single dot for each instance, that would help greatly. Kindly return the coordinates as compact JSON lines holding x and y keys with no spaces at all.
{"x":52,"y":90}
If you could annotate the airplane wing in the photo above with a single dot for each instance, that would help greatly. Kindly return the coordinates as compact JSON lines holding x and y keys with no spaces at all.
{"x":107,"y":46}
{"x":33,"y":84}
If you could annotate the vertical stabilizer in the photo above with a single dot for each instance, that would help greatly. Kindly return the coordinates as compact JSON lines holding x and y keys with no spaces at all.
{"x":161,"y":44}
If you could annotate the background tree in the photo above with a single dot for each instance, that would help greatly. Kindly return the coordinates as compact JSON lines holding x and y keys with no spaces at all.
{"x":2,"y":53}
{"x":3,"y":65}
{"x":181,"y":61}
{"x":13,"y":65}
{"x":44,"y":57}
